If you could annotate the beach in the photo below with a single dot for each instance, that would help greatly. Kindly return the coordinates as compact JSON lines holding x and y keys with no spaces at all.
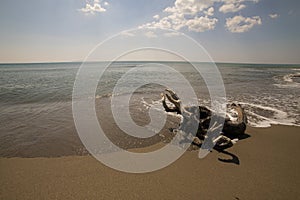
{"x":264,"y":166}
{"x":42,"y":155}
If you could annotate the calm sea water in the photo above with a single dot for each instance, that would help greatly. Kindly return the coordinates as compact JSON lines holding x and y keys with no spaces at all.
{"x":36,"y":99}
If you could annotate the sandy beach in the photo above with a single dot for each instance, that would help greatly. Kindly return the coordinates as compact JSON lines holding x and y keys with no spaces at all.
{"x":263,"y":166}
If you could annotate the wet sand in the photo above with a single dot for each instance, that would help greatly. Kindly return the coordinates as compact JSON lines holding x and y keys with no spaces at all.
{"x":265,"y":165}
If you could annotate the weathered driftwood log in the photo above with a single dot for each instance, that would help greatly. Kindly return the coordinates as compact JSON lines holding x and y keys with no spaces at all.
{"x":234,"y":122}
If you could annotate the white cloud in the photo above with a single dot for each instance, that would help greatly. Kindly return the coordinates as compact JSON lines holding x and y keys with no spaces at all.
{"x":274,"y":16}
{"x":240,"y":24}
{"x":106,"y":3}
{"x":210,"y":11}
{"x":201,"y":24}
{"x":193,"y":14}
{"x":92,"y":9}
{"x":198,"y":16}
{"x":177,"y":20}
{"x":191,"y":7}
{"x":156,"y":17}
{"x":226,"y":8}
{"x":231,"y":6}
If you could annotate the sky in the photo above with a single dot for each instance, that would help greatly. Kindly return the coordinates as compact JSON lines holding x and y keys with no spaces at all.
{"x":239,"y":31}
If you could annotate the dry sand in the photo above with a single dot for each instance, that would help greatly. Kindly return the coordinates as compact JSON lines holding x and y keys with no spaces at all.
{"x":265,"y":166}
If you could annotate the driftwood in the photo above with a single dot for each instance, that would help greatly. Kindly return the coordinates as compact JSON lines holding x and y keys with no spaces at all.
{"x":234,"y":123}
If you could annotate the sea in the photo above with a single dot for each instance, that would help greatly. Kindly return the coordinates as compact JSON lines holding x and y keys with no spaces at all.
{"x":36,"y":99}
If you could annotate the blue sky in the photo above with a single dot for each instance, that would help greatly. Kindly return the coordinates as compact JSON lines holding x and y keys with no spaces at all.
{"x":252,"y":31}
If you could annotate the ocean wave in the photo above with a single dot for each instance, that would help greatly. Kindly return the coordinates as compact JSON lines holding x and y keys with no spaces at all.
{"x":288,"y":80}
{"x":290,"y":77}
{"x":265,"y":116}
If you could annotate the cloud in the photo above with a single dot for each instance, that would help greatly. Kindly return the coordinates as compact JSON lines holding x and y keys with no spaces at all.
{"x":273,"y":16}
{"x":201,"y":24}
{"x":226,"y":8}
{"x":196,"y":15}
{"x":92,"y":9}
{"x":231,"y":6}
{"x":156,"y":17}
{"x":240,"y":24}
{"x":210,"y":11}
{"x":190,"y":7}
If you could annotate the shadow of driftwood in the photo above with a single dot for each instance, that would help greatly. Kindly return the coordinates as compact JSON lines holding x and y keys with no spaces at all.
{"x":234,"y":159}
{"x":244,"y":136}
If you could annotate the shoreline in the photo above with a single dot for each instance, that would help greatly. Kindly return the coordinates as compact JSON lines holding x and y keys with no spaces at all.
{"x":263,"y":166}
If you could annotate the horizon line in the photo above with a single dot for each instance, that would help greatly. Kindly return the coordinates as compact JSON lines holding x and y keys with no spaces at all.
{"x":69,"y":62}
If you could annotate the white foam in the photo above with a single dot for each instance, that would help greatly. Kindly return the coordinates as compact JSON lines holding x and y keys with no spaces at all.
{"x":157,"y":105}
{"x":288,"y":80}
{"x":279,"y":117}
